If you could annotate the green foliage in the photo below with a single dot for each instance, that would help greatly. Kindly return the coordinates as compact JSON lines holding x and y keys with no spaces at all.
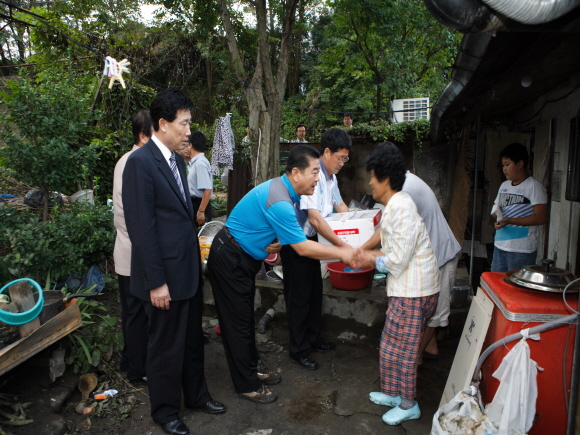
{"x":95,"y":338}
{"x":380,"y":131}
{"x":367,"y":52}
{"x":115,"y":137}
{"x":78,"y":237}
{"x":219,"y":203}
{"x":46,"y":127}
{"x":84,"y":27}
{"x":218,"y":186}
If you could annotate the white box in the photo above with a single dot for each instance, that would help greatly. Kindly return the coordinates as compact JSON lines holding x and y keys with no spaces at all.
{"x":469,"y":348}
{"x":354,"y":227}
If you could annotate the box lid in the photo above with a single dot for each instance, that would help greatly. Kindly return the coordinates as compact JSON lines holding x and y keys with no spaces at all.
{"x":523,"y":305}
{"x":373,"y":214}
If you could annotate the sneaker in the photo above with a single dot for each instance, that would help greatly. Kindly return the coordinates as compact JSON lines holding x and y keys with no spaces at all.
{"x":266,"y":376}
{"x":398,"y":415}
{"x":270,"y":378}
{"x":323,"y":346}
{"x":262,"y":396}
{"x":383,"y":399}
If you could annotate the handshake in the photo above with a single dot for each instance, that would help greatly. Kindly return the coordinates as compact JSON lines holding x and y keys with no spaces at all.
{"x":357,"y":258}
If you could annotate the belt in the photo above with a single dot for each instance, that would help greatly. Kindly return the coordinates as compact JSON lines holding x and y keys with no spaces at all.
{"x":236,"y":244}
{"x":254,"y":264}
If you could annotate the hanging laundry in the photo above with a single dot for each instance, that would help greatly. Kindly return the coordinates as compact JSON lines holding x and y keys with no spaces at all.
{"x":223,"y":146}
{"x":115,"y":70}
{"x":231,"y":132}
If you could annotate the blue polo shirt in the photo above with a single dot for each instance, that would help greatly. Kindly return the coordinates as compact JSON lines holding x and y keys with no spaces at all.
{"x":266,"y":212}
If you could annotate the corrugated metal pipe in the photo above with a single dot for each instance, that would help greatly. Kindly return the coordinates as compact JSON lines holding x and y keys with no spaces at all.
{"x":532,"y":11}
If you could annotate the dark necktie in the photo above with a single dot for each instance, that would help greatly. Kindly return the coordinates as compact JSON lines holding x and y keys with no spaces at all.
{"x":173,"y":166}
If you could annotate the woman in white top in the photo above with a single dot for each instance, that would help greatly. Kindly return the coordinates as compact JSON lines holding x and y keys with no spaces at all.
{"x":412,"y":284}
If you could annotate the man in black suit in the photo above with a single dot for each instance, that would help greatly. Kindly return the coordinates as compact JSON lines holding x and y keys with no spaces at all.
{"x":165,"y":264}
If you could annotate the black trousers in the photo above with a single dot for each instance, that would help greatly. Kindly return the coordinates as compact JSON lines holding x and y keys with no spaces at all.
{"x":232,"y":274}
{"x":134,"y":327}
{"x":208,"y":210}
{"x":175,"y":359}
{"x":303,"y":297}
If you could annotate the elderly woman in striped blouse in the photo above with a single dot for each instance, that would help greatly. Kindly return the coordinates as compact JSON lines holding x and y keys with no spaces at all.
{"x":412,"y":284}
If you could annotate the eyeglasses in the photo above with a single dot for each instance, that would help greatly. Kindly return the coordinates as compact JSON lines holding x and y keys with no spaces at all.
{"x":342,"y":159}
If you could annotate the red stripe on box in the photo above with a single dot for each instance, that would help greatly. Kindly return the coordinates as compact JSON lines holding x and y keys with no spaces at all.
{"x":377,"y":218}
{"x":346,"y":232}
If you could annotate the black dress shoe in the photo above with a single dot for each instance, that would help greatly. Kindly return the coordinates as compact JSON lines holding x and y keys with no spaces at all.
{"x":175,"y":427}
{"x":306,"y":362}
{"x":142,"y":380}
{"x":213,"y":407}
{"x":323,"y":346}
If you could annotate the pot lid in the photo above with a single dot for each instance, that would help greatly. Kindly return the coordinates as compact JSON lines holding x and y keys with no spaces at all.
{"x":543,"y":277}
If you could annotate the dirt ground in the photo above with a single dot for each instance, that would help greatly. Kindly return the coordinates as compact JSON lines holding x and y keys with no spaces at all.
{"x":330,"y":400}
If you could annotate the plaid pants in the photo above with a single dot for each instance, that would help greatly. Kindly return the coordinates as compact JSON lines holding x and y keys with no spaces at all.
{"x":404,"y":327}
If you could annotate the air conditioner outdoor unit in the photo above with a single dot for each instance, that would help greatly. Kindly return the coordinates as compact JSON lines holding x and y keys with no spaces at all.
{"x":409,"y":109}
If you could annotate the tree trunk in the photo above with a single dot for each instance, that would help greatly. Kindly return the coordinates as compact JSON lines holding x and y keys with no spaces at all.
{"x":264,"y":92}
{"x":20,"y":44}
{"x":209,"y":75}
{"x":379,"y":102}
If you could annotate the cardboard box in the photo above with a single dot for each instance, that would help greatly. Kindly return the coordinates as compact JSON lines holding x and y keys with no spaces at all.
{"x":354,"y":227}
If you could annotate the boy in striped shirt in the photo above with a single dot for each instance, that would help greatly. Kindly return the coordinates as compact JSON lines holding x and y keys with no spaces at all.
{"x":520,"y":208}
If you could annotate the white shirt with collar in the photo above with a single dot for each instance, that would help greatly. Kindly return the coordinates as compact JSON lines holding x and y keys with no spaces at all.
{"x":164,"y":150}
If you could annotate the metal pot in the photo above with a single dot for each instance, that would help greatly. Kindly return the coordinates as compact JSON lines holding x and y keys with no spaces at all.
{"x":459,"y":294}
{"x":543,"y":277}
{"x":54,"y":301}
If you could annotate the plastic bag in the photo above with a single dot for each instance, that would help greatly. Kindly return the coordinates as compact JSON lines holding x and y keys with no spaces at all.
{"x":513,"y":408}
{"x":461,"y":416}
{"x":225,"y":176}
{"x":35,"y":198}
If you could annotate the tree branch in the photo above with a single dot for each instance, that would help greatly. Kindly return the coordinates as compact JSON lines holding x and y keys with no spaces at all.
{"x":236,"y":59}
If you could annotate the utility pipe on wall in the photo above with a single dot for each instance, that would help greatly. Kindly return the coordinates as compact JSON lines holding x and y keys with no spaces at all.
{"x":532,"y":11}
{"x":474,"y":202}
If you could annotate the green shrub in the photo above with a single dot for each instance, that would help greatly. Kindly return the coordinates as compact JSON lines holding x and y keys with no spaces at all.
{"x":50,"y":146}
{"x":77,"y":237}
{"x":97,"y":336}
{"x":382,"y":130}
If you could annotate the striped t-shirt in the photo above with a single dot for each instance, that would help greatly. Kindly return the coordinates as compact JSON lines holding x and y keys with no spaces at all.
{"x":518,"y":201}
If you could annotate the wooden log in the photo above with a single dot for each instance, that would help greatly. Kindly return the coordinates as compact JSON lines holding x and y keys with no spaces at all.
{"x":21,"y":295}
{"x":59,"y":326}
{"x":10,"y":308}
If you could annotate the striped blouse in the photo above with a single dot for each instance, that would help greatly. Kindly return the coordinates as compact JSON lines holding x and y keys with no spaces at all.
{"x":408,"y":257}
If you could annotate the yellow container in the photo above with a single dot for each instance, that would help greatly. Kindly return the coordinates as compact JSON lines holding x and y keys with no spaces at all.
{"x":204,"y":246}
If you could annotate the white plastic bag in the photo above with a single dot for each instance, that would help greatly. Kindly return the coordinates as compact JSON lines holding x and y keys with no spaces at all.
{"x":461,"y":416}
{"x":225,"y":176}
{"x":513,"y":408}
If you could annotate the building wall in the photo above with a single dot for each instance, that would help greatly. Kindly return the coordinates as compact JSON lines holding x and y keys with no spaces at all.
{"x":353,"y":179}
{"x":556,"y":109}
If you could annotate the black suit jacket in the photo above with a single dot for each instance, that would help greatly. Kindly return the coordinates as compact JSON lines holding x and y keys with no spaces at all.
{"x":161,"y":226}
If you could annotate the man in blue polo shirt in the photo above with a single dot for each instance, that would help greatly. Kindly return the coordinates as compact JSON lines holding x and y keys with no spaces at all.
{"x":265,"y":214}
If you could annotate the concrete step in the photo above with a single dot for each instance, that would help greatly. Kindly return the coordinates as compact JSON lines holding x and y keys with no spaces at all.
{"x":348,"y":315}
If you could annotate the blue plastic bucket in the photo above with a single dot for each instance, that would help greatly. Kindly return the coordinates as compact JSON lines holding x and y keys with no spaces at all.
{"x":27,"y":316}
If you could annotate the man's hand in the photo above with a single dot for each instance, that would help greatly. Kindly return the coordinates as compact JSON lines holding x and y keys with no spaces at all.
{"x":500,"y":224}
{"x":160,"y":297}
{"x":346,"y":254}
{"x":200,"y":218}
{"x":362,"y":259}
{"x":274,"y":248}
